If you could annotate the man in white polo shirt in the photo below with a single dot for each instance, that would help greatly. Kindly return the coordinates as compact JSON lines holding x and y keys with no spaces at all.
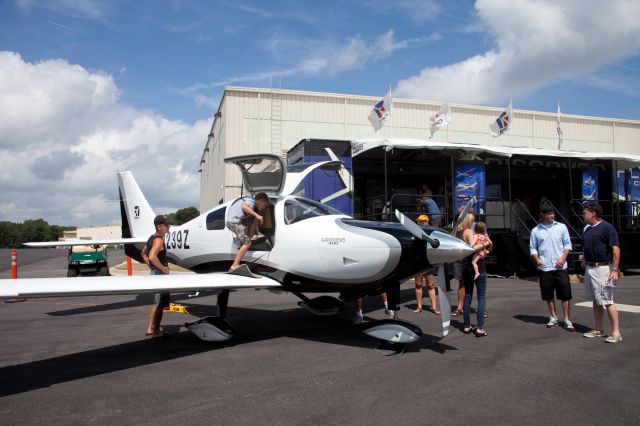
{"x":549,"y":246}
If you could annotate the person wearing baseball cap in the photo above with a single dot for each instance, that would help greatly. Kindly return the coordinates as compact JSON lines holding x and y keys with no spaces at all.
{"x":425,"y":279}
{"x":423,"y":218}
{"x":154,"y":254}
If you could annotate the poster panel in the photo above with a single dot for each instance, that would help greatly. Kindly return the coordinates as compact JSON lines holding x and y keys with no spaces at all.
{"x":469,"y":181}
{"x":589,"y":184}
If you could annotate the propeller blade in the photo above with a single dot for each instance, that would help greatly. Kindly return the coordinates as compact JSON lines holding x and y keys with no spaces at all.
{"x":464,"y":213}
{"x":443,"y":299}
{"x":415,"y":229}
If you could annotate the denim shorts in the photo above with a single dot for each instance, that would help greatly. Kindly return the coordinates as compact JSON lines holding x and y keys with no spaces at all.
{"x":458,"y":270}
{"x":161,"y":300}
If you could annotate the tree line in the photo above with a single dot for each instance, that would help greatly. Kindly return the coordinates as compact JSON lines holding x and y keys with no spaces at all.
{"x":13,"y":235}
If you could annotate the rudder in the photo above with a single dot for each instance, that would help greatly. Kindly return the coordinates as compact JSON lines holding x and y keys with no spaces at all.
{"x":137,"y":215}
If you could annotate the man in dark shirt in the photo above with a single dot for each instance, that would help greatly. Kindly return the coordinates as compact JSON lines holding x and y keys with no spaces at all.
{"x":601,"y":261}
{"x":154,"y":255}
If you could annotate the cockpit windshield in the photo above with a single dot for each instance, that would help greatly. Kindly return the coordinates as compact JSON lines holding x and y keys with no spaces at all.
{"x":297,"y":209}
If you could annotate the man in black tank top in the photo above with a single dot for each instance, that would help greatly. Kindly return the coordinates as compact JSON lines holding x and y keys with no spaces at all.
{"x":154,"y":255}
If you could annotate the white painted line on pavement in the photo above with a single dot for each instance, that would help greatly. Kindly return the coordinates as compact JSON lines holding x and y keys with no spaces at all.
{"x":622,"y":308}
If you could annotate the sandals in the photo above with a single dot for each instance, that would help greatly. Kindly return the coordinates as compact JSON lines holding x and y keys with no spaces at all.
{"x":468,"y":330}
{"x":430,"y":308}
{"x":456,"y":313}
{"x":479,"y":333}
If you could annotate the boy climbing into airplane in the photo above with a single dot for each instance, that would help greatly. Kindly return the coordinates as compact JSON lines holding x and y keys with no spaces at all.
{"x":241,"y":220}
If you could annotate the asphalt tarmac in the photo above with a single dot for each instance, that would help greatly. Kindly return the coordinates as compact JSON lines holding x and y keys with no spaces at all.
{"x":86,"y":360}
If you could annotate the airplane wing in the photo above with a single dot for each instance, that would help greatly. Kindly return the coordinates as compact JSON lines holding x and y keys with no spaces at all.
{"x":103,"y":242}
{"x":136,"y":284}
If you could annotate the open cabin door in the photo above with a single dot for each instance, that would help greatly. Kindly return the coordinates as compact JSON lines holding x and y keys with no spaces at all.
{"x":260,"y":172}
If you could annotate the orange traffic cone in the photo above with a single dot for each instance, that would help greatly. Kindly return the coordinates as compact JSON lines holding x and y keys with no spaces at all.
{"x":14,"y":264}
{"x":14,"y":274}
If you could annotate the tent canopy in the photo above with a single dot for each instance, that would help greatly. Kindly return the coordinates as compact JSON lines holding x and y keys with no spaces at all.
{"x":360,"y":146}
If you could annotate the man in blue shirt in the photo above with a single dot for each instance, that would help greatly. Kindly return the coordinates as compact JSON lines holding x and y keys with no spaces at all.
{"x":601,"y":261}
{"x":433,"y":211}
{"x":549,"y":246}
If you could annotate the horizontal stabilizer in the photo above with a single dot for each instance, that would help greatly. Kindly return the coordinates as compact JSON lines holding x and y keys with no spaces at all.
{"x":104,"y":242}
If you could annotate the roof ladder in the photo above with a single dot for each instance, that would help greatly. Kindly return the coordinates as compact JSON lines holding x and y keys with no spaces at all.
{"x":276,"y":123}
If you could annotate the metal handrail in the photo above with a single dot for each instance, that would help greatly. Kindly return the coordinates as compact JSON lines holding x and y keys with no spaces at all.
{"x":577,"y":215}
{"x":519,"y":209}
{"x":418,"y":207}
{"x":572,"y":231}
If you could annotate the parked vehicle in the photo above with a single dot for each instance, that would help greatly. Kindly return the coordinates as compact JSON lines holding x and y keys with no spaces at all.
{"x":87,"y":260}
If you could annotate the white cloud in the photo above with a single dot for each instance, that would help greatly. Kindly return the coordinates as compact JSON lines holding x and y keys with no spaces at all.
{"x":93,"y":9}
{"x":415,"y":10}
{"x":318,"y":57}
{"x":64,"y":135}
{"x":537,"y":44}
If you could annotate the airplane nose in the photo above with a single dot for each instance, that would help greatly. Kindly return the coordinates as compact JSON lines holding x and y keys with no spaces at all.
{"x":449,"y":250}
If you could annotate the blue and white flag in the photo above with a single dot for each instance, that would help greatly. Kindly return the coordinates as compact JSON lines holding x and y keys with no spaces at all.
{"x":441,"y":119}
{"x":381,"y":112}
{"x":503,"y":123}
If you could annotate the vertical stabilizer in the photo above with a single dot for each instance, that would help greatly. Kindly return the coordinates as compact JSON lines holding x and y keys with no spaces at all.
{"x":137,"y":215}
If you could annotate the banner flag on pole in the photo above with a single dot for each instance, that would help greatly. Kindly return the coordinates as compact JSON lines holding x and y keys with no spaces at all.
{"x":558,"y":128}
{"x":381,"y":112}
{"x":503,"y":123}
{"x":441,"y":119}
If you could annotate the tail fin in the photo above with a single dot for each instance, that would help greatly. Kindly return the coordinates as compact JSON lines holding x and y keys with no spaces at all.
{"x":137,"y":215}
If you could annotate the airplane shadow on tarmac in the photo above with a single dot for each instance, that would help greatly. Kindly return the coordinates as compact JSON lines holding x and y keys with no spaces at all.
{"x":272,"y":324}
{"x":140,"y":300}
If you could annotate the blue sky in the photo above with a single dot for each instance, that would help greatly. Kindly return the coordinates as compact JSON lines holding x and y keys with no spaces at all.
{"x":83,"y":83}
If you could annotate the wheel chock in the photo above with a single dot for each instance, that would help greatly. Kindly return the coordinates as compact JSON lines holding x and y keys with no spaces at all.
{"x":175,"y":307}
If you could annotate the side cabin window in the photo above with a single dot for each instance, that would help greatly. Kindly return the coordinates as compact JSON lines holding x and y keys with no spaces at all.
{"x":215,"y":219}
{"x":297,"y":209}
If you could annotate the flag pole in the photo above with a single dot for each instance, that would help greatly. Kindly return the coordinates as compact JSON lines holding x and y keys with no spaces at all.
{"x":558,"y":130}
{"x":391,"y":107}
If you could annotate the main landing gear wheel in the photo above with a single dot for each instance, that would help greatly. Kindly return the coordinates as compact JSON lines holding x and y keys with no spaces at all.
{"x":396,"y":334}
{"x":211,"y":329}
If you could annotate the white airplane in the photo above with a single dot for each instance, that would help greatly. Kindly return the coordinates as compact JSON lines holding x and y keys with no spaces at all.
{"x":589,"y":182}
{"x":468,"y":173}
{"x":466,"y":186}
{"x":309,"y":248}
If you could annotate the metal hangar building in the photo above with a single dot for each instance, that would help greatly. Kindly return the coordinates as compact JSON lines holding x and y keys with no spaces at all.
{"x":517,"y":168}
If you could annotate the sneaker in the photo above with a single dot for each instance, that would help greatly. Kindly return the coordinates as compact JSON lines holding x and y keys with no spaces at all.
{"x":569,"y":326}
{"x":613,"y":339}
{"x":358,"y":319}
{"x":553,"y":322}
{"x":392,"y":314}
{"x":593,"y":333}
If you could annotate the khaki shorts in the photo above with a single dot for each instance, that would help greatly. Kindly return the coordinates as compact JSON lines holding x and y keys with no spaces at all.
{"x":240,"y":236}
{"x":598,"y":286}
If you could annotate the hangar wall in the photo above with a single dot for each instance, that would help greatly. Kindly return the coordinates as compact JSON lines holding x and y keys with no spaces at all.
{"x":254,"y":120}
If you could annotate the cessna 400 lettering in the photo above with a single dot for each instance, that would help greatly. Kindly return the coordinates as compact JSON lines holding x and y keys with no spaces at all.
{"x":307,"y":247}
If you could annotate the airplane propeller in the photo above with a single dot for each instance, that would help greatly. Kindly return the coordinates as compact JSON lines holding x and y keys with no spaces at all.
{"x":416,"y":230}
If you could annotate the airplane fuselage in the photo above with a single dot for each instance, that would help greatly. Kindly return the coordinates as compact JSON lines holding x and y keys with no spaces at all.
{"x":311,"y":248}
